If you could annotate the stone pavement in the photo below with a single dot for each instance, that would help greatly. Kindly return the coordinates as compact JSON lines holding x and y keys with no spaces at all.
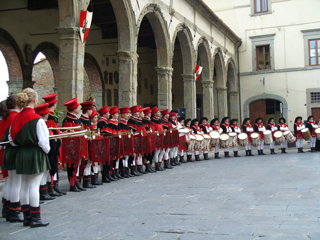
{"x":261,"y":197}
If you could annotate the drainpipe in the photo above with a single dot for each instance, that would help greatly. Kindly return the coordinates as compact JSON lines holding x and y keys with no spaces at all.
{"x":239,"y":85}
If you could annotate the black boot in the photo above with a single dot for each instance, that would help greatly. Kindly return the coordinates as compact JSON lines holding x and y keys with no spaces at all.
{"x":158,"y":167}
{"x":44,"y":195}
{"x":283,"y":150}
{"x":87,"y":182}
{"x":133,"y":172}
{"x":117,"y":172}
{"x":57,"y":189}
{"x":4,"y":208}
{"x":250,"y":153}
{"x":302,"y":150}
{"x":205,"y":156}
{"x":313,"y":150}
{"x":95,"y":180}
{"x":140,"y":169}
{"x":108,"y":175}
{"x":36,"y":219}
{"x":25,"y":209}
{"x":74,"y":188}
{"x":172,"y":162}
{"x":167,"y":165}
{"x":14,"y":212}
{"x":182,"y":159}
{"x":123,"y":173}
{"x":189,"y":158}
{"x":176,"y":161}
{"x":247,"y":153}
{"x":129,"y":173}
{"x":51,"y":190}
{"x":261,"y":151}
{"x":114,"y":176}
{"x":226,"y":155}
{"x":197,"y":157}
{"x":216,"y":156}
{"x":7,"y":213}
{"x":235,"y":154}
{"x":79,"y":185}
{"x":136,"y":171}
{"x":272,"y":151}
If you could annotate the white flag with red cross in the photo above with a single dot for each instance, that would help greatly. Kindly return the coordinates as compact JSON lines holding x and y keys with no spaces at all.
{"x":85,"y":23}
{"x":197,"y":72}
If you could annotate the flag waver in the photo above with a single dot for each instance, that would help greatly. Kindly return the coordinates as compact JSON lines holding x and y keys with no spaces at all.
{"x":197,"y":72}
{"x":85,"y":23}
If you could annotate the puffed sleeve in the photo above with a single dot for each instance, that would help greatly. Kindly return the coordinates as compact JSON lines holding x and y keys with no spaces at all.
{"x":43,"y":136}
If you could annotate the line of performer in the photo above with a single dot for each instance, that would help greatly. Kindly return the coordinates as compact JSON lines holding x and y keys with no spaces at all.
{"x":122,"y":143}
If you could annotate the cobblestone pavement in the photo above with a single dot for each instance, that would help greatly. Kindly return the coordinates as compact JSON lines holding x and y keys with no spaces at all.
{"x":261,"y":197}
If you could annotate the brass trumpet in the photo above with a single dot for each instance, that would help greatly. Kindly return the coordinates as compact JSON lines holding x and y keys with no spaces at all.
{"x":66,"y":128}
{"x":83,"y":133}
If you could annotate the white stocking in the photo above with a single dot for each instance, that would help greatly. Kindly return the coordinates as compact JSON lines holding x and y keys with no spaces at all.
{"x":272,"y":145}
{"x":29,"y":192}
{"x":6,"y":189}
{"x":140,"y":159}
{"x":171,"y":153}
{"x":182,"y":153}
{"x":87,"y":170}
{"x":44,"y":178}
{"x":226,"y":149}
{"x":196,"y":152}
{"x":300,"y":143}
{"x":313,"y":142}
{"x":156,"y":155}
{"x":15,"y":180}
{"x":284,"y":144}
{"x":166,"y":156}
{"x":216,"y":149}
{"x":161,"y":155}
{"x":235,"y":149}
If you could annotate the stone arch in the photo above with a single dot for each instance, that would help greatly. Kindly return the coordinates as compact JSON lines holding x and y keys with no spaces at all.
{"x":159,"y":26}
{"x":14,"y":59}
{"x":94,"y":73}
{"x":204,"y":98}
{"x":246,"y":104}
{"x":233,"y":90}
{"x":51,"y":51}
{"x":231,"y":71}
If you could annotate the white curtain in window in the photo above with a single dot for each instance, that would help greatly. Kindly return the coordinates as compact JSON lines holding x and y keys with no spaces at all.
{"x":264,"y":5}
{"x":258,"y":6}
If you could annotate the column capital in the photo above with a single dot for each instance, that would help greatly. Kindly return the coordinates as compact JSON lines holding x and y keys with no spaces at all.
{"x":208,"y":82}
{"x":128,"y":56}
{"x":188,"y":77}
{"x":222,"y":89}
{"x":164,"y":70}
{"x":68,"y":33}
{"x":233,"y":93}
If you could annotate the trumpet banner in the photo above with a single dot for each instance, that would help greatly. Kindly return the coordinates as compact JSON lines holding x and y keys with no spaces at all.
{"x":167,"y":140}
{"x":137,"y":139}
{"x":182,"y":143}
{"x":126,"y":145}
{"x":70,"y":150}
{"x":114,"y":148}
{"x":159,"y":141}
{"x":175,"y":138}
{"x":84,"y":148}
{"x":100,"y":150}
{"x":146,"y":145}
{"x":152,"y":143}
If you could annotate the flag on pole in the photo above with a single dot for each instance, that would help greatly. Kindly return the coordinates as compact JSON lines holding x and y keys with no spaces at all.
{"x":197,"y":72}
{"x":85,"y":23}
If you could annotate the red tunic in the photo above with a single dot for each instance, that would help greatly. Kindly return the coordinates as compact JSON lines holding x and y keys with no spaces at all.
{"x":157,"y":124}
{"x":299,"y":134}
{"x":313,"y":134}
{"x":248,"y":133}
{"x":216,"y":127}
{"x":166,"y":124}
{"x":51,"y":123}
{"x":260,"y":125}
{"x":283,"y":125}
{"x":272,"y":131}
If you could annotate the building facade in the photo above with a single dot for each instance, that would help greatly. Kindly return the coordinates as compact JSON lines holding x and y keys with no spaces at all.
{"x":279,"y":55}
{"x":137,"y":52}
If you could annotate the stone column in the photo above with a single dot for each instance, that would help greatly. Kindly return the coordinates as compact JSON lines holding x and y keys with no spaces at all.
{"x":190,"y":99}
{"x":208,"y":102}
{"x":233,"y":104}
{"x":99,"y":98}
{"x":14,"y":86}
{"x":128,"y":62}
{"x":164,"y":87}
{"x":222,"y":102}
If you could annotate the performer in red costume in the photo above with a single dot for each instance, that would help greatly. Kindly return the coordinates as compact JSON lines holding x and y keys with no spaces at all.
{"x":260,"y":128}
{"x":205,"y":127}
{"x":157,"y":123}
{"x":168,"y":163}
{"x":30,"y":133}
{"x":272,"y":127}
{"x":214,"y":124}
{"x":196,"y":130}
{"x":311,"y":124}
{"x":225,"y":126}
{"x":235,"y":128}
{"x":187,"y":124}
{"x":248,"y":129}
{"x":298,"y":126}
{"x":282,"y":126}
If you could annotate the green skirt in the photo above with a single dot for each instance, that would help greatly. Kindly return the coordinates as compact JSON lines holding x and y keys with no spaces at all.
{"x":9,"y":158}
{"x":31,"y":160}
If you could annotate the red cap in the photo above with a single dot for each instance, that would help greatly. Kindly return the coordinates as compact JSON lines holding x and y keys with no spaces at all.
{"x":154,"y":110}
{"x":103,"y":110}
{"x":164,"y":112}
{"x":72,"y":104}
{"x":114,"y":110}
{"x":124,"y":110}
{"x":86,"y":105}
{"x":135,"y":109}
{"x":42,"y":109}
{"x":50,"y":98}
{"x":94,"y":113}
{"x":172,"y":114}
{"x":140,"y":109}
{"x":146,"y":110}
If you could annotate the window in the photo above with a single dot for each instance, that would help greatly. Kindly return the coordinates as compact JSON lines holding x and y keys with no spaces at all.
{"x":263,"y":57}
{"x":260,"y":6}
{"x":314,"y":52}
{"x":315,"y":97}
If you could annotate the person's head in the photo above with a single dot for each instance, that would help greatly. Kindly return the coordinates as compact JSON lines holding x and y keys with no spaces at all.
{"x":310,"y":119}
{"x":271,"y":120}
{"x":187,"y":122}
{"x":87,"y":108}
{"x":4,"y":112}
{"x":53,"y":106}
{"x":282,"y":120}
{"x":195,"y":122}
{"x":114,"y":113}
{"x":234,"y":122}
{"x":172,"y":116}
{"x":298,"y":119}
{"x":181,"y":120}
{"x":8,"y":104}
{"x":165,"y":114}
{"x":125,"y":113}
{"x":73,"y":106}
{"x":94,"y":118}
{"x":104,"y":112}
{"x":135,"y":111}
{"x":214,"y":121}
{"x":28,"y":97}
{"x":52,"y":100}
{"x":246,"y":121}
{"x":259,"y":120}
{"x":141,"y":115}
{"x":43,"y":110}
{"x":203,"y":120}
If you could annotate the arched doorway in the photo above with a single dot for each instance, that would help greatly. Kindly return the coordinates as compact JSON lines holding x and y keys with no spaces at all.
{"x":183,"y":84}
{"x":220,"y":87}
{"x":233,"y":92}
{"x":154,"y":71}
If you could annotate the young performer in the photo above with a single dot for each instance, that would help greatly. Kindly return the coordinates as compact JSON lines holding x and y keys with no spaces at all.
{"x":87,"y":109}
{"x":196,"y":130}
{"x":187,"y":124}
{"x":215,"y":127}
{"x":143,"y":130}
{"x":31,"y":134}
{"x":272,"y":127}
{"x":149,"y":127}
{"x":298,"y":126}
{"x":11,"y":190}
{"x":260,"y":128}
{"x":175,"y":125}
{"x":282,"y":126}
{"x":205,"y":127}
{"x":312,"y":128}
{"x":157,"y":123}
{"x":248,"y":129}
{"x":71,"y":120}
{"x":225,"y":126}
{"x":181,"y":120}
{"x":53,"y":183}
{"x":235,"y":128}
{"x":125,"y":116}
{"x":105,"y":129}
{"x":43,"y":110}
{"x":168,"y":163}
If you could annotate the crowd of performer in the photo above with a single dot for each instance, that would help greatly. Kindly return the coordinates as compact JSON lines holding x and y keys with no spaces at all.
{"x":32,"y":152}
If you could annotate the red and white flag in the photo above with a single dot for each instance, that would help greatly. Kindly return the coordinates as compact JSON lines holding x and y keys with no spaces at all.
{"x":85,"y":23}
{"x":197,"y":72}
